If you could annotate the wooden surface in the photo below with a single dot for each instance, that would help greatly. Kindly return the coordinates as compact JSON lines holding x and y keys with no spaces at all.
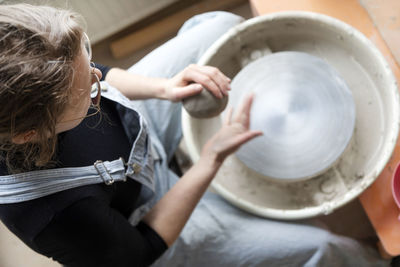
{"x":166,"y":27}
{"x":386,"y":17}
{"x":371,"y":17}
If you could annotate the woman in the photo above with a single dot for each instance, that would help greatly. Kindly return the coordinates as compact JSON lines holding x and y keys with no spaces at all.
{"x":91,"y":188}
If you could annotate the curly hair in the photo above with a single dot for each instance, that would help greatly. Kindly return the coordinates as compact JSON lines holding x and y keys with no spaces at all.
{"x":38,"y":45}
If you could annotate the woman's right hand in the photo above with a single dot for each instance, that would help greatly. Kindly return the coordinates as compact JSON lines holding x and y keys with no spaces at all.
{"x":233,"y":133}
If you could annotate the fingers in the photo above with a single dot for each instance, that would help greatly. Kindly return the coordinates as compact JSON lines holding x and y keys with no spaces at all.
{"x":228,"y":116}
{"x":218,"y":77}
{"x":208,"y":83}
{"x":189,"y":90}
{"x":242,"y":114}
{"x":210,"y":77}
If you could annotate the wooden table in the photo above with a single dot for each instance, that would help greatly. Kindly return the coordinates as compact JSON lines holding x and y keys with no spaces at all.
{"x":380,"y":22}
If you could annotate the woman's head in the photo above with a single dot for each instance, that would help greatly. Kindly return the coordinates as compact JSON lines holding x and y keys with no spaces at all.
{"x":39,"y":52}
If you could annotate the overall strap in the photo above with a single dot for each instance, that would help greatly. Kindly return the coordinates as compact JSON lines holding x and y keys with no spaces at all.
{"x":35,"y":184}
{"x":143,"y":153}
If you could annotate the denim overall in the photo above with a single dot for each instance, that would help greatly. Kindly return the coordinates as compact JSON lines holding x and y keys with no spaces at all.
{"x":217,"y":234}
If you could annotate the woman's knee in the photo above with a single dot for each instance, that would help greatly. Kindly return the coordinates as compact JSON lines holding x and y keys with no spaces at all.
{"x":226,"y":18}
{"x":220,"y":19}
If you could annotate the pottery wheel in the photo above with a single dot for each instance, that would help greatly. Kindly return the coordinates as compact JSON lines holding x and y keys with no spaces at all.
{"x":305,"y":110}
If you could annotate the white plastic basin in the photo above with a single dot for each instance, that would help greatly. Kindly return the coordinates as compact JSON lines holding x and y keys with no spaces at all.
{"x":375,"y":94}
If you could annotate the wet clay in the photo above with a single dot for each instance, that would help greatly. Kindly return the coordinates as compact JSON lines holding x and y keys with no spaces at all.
{"x":204,"y":104}
{"x":375,"y":94}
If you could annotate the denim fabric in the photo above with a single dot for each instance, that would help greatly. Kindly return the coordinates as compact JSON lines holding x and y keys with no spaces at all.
{"x":31,"y":185}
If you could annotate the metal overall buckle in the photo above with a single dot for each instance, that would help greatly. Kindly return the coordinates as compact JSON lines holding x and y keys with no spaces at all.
{"x":98,"y":163}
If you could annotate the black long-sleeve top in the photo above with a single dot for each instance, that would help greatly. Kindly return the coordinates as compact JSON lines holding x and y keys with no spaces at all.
{"x":87,"y":226}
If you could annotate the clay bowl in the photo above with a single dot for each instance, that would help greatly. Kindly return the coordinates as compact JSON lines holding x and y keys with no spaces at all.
{"x":373,"y":88}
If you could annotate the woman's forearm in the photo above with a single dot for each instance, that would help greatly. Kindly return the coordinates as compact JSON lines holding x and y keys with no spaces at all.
{"x":188,"y":82}
{"x":136,"y":86}
{"x":170,"y":214}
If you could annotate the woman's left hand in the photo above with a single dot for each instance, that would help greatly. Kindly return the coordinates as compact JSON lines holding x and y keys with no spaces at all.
{"x":193,"y":79}
{"x":235,"y":131}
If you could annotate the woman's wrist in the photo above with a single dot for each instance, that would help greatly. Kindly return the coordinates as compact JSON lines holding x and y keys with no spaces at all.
{"x":209,"y":163}
{"x":160,"y":86}
{"x":136,"y":86}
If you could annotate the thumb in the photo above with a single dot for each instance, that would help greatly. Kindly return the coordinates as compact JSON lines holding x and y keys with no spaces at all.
{"x":189,"y":90}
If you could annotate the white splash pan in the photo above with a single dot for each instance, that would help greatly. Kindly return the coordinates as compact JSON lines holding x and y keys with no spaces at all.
{"x":375,"y":93}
